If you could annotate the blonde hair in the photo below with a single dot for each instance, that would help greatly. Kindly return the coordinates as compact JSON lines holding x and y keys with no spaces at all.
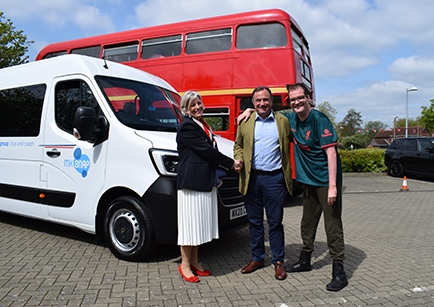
{"x":186,"y":100}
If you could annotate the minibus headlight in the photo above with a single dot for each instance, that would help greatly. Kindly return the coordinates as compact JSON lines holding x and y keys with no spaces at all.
{"x":166,"y":162}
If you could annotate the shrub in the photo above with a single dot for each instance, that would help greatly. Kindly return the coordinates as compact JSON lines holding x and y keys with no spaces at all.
{"x":366,"y":160}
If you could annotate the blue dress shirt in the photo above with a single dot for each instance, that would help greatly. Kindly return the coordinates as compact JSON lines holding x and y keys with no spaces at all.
{"x":266,"y":148}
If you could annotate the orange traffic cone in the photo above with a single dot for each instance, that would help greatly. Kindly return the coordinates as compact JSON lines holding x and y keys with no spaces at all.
{"x":404,"y":185}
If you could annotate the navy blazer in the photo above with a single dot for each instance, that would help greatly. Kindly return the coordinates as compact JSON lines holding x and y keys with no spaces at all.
{"x":198,"y":158}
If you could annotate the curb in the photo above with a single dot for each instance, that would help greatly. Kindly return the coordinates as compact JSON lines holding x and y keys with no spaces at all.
{"x":363,"y":174}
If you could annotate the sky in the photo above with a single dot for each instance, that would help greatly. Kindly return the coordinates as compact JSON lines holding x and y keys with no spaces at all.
{"x":365,"y":53}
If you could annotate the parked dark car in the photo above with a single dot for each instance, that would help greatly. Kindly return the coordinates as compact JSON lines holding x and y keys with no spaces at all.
{"x":410,"y":156}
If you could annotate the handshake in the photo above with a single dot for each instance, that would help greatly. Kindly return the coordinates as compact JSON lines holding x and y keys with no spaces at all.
{"x":238,"y":165}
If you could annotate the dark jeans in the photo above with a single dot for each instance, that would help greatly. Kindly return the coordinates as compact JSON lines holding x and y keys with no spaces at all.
{"x":266,"y":191}
{"x":314,"y":204}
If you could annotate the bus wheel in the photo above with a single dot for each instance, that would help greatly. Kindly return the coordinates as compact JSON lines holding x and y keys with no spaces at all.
{"x":128,"y":229}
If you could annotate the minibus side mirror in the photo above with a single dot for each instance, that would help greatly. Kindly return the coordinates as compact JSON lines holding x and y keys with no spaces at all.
{"x":89,"y":127}
{"x":84,"y":120}
{"x":101,"y":129}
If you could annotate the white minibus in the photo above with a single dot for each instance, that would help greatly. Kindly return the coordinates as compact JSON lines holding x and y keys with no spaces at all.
{"x":91,"y":144}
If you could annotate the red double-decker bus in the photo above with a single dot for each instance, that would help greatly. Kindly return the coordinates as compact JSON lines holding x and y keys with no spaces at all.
{"x":223,"y":58}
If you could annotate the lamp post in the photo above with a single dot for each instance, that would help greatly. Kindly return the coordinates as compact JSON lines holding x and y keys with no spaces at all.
{"x":394,"y":128}
{"x":411,"y":89}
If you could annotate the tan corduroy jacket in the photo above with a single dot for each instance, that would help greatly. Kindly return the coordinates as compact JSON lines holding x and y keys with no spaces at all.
{"x":243,"y":149}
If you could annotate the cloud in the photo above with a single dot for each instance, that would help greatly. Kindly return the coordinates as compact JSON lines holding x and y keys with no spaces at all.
{"x":415,"y":70}
{"x":181,"y":10}
{"x":340,"y":64}
{"x":56,"y":14}
{"x":89,"y":17}
{"x":380,"y":101}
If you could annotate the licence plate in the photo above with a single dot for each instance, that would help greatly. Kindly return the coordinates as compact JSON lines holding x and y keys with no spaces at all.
{"x":237,"y":212}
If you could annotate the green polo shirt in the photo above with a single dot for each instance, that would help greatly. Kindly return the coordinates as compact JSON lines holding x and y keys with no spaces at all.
{"x":310,"y":138}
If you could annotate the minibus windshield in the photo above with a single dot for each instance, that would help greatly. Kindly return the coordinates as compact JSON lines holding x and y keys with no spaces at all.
{"x":139,"y":105}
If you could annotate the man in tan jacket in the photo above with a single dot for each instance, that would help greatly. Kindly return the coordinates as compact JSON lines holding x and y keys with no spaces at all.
{"x":263,"y":144}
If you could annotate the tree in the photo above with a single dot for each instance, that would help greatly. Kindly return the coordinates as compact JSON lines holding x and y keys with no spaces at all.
{"x":427,"y":118}
{"x":351,"y":123}
{"x":358,"y":140}
{"x":373,"y":127}
{"x":361,"y":137}
{"x":13,"y":44}
{"x":328,"y":110}
{"x":400,"y":122}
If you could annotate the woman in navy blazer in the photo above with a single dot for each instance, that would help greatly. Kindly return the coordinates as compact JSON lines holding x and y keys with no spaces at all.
{"x":197,"y":185}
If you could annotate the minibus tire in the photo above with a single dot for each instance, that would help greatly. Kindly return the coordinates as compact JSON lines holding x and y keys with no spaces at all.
{"x":128,"y":229}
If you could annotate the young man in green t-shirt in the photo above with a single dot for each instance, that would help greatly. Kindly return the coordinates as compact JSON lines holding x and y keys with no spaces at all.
{"x":318,"y":168}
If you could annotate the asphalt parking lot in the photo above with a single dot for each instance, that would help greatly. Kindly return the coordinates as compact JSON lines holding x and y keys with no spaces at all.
{"x":389,"y":238}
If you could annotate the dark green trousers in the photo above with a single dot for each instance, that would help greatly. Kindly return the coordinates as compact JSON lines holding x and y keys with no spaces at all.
{"x":314,"y":204}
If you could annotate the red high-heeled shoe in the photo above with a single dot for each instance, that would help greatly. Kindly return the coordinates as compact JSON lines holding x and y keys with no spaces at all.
{"x":199,"y":272}
{"x":193,"y":278}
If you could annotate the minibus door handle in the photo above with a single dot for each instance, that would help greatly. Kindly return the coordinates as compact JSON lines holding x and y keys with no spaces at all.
{"x":53,"y":153}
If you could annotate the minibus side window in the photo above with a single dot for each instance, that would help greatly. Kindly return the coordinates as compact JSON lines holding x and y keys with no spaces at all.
{"x":69,"y":96}
{"x":21,"y":110}
{"x":139,"y":105}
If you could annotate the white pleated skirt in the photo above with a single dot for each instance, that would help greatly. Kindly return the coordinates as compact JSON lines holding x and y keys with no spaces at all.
{"x":197,"y":217}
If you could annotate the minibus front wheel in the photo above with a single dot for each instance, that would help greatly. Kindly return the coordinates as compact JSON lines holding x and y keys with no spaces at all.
{"x":128,"y":229}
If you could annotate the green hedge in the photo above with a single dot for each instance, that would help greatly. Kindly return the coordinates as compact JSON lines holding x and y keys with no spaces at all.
{"x":367,"y":160}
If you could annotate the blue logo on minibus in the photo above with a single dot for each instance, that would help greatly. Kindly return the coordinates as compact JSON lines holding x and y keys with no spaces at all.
{"x":81,"y":162}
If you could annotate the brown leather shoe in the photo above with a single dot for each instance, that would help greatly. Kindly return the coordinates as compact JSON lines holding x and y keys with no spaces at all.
{"x":253,"y":266}
{"x":279,"y":271}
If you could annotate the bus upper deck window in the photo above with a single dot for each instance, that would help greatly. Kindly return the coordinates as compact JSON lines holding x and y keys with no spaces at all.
{"x":93,"y":51}
{"x":122,"y":53}
{"x":209,"y":41}
{"x":261,"y":36}
{"x":161,"y":47}
{"x":306,"y":53}
{"x":54,"y":54}
{"x":297,"y":43}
